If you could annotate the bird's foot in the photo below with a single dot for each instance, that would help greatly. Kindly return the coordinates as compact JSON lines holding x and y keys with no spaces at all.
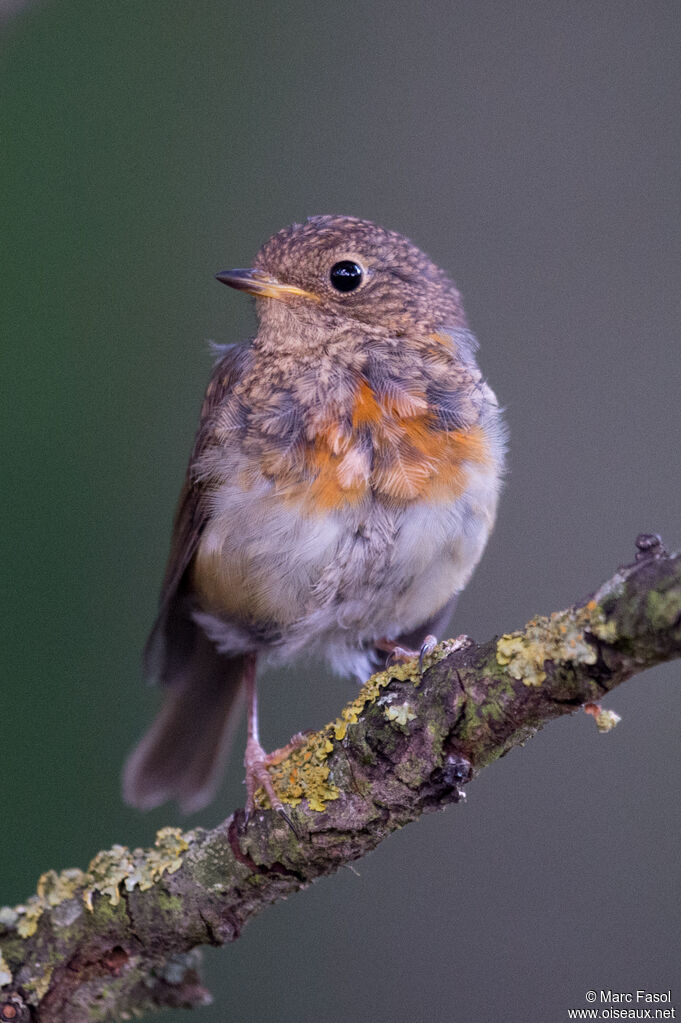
{"x":427,"y":647}
{"x":257,"y":762}
{"x":399,"y":654}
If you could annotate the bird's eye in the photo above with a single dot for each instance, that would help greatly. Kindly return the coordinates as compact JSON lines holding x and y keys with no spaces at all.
{"x":346,"y":275}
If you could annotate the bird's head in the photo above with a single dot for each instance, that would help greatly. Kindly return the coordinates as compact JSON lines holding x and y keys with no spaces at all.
{"x":342,"y":269}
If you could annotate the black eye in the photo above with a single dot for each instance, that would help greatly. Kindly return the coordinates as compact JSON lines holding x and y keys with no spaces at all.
{"x":346,"y":275}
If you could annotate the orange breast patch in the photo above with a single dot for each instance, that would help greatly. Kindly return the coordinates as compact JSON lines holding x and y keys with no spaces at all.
{"x":394,"y":449}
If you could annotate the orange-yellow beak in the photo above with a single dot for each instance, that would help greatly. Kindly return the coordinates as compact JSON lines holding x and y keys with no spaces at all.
{"x":260,"y":284}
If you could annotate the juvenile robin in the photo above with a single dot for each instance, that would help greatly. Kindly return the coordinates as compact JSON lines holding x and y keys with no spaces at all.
{"x":342,"y":487}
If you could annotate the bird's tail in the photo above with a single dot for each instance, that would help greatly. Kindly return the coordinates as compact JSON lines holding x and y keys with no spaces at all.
{"x":183,"y":754}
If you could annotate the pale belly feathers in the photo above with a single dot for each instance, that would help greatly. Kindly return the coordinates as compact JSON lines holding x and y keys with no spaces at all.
{"x":274,"y":579}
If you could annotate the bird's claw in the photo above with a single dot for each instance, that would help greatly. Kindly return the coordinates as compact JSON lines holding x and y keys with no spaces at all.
{"x":427,"y":647}
{"x":282,"y":813}
{"x":400,"y":654}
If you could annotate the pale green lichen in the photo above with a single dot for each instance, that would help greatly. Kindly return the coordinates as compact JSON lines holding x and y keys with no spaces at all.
{"x":664,"y":608}
{"x":108,"y":870}
{"x":39,"y":986}
{"x":5,"y":973}
{"x":54,"y":888}
{"x":8,"y":918}
{"x":400,"y":713}
{"x":560,"y":638}
{"x":29,"y":916}
{"x":304,"y":774}
{"x":606,"y":720}
{"x":140,"y":868}
{"x":407,"y":670}
{"x":154,"y":863}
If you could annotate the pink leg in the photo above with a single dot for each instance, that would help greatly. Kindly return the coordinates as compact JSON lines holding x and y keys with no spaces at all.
{"x":256,"y":760}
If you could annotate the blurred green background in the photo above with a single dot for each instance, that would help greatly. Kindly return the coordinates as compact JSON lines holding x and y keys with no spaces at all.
{"x":533,"y":150}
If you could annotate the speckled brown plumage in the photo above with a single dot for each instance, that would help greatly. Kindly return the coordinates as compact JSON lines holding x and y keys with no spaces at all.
{"x":344,"y":478}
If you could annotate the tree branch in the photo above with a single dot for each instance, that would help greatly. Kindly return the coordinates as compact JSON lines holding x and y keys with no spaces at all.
{"x":121,"y":936}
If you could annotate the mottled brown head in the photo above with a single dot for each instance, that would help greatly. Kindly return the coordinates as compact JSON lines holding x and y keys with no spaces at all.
{"x":349,"y":269}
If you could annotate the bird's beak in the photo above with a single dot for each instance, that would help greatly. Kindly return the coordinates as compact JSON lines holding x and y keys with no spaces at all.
{"x":255,"y":282}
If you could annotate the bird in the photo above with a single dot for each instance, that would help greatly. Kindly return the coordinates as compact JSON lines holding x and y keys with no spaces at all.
{"x":343,"y":484}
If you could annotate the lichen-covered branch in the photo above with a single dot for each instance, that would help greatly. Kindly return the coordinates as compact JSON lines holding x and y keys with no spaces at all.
{"x":121,"y":937}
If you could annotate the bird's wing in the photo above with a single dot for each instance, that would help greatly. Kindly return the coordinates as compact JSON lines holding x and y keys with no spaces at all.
{"x":172,"y":637}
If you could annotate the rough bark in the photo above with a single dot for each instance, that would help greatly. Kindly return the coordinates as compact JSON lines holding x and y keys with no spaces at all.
{"x":121,"y":937}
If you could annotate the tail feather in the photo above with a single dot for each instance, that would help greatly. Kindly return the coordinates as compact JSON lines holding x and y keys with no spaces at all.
{"x":183,"y":754}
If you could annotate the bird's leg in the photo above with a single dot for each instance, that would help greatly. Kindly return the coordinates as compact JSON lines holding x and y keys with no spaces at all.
{"x":256,"y":760}
{"x":399,"y":653}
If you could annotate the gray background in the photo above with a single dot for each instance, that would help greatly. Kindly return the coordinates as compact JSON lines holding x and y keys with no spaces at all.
{"x":532,"y":150}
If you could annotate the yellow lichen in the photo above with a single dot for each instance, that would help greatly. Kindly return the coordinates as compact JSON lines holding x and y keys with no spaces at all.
{"x":304,"y":773}
{"x":560,"y":638}
{"x":5,"y":972}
